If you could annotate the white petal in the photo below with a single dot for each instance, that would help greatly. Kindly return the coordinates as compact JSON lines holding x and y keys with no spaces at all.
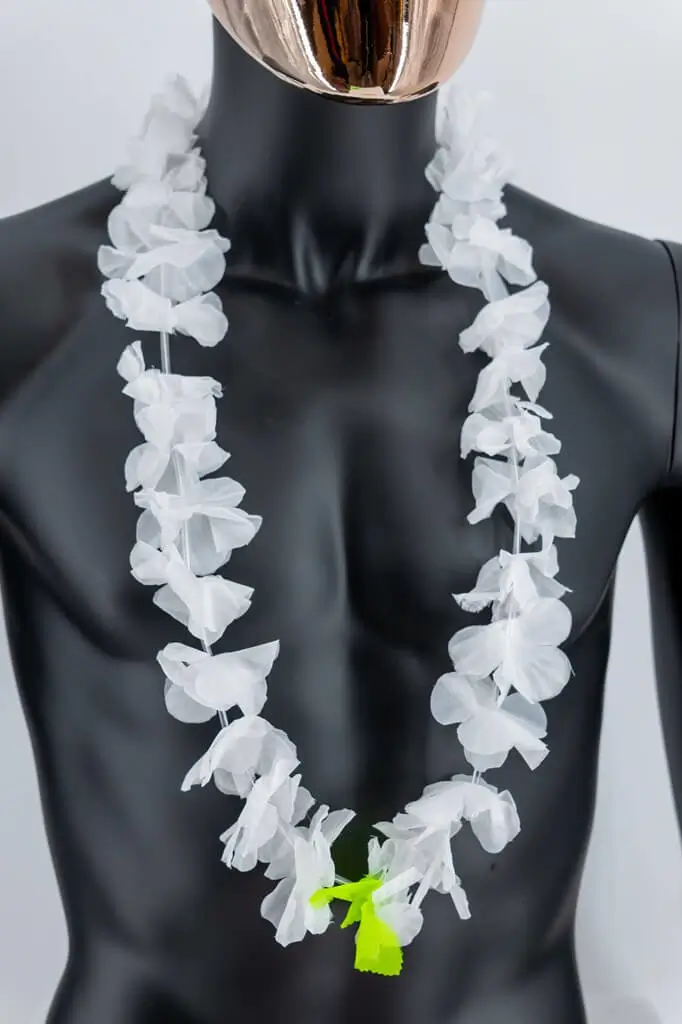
{"x":476,"y":650}
{"x":235,"y":755}
{"x":183,"y":707}
{"x":456,"y":698}
{"x":486,"y":589}
{"x":206,"y":605}
{"x":489,"y":736}
{"x":148,"y":565}
{"x":335,"y":823}
{"x":145,"y":466}
{"x":459,"y":898}
{"x":203,"y":319}
{"x":139,"y":306}
{"x":427,"y":256}
{"x":546,"y":621}
{"x":541,"y":674}
{"x":492,"y":482}
{"x":403,"y":918}
{"x":237,"y":677}
{"x":257,"y":823}
{"x":496,"y":824}
{"x":441,"y":242}
{"x":514,"y":321}
{"x":274,"y":906}
{"x":131,"y":364}
{"x":516,"y":579}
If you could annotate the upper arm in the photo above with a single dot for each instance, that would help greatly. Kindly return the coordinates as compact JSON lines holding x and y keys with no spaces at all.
{"x":661,"y":518}
{"x":674,"y":252}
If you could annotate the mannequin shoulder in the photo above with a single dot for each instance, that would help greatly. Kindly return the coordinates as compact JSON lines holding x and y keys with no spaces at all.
{"x":614,"y":272}
{"x":615,"y":299}
{"x":47,"y":272}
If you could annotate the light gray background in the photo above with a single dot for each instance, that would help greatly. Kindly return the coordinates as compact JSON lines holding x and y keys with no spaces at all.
{"x":589,"y":101}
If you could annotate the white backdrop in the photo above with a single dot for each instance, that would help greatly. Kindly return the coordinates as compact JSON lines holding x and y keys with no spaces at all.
{"x":589,"y":100}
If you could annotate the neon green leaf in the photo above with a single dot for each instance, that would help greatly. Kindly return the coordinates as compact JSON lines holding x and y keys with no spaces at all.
{"x":376,"y":944}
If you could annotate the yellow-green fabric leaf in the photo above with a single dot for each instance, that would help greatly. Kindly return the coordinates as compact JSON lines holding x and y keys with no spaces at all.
{"x":376,"y":944}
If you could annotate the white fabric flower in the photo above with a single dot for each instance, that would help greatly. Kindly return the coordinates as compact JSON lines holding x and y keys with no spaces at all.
{"x":492,"y":815}
{"x":172,"y":409}
{"x":309,"y":867}
{"x":489,"y":730}
{"x":279,"y":855}
{"x":522,"y":577}
{"x":449,"y":211}
{"x":426,"y":848}
{"x":499,"y":432}
{"x":520,"y":652}
{"x":514,"y":322}
{"x":200,"y":684}
{"x":206,"y":605}
{"x":543,"y":502}
{"x":471,"y":186}
{"x":178,"y":200}
{"x":512,"y":366}
{"x":208,"y":511}
{"x":244,"y":749}
{"x":459,"y":125}
{"x":152,"y":468}
{"x":144,"y":310}
{"x":431,"y":821}
{"x":182,"y":265}
{"x":484,"y":258}
{"x":168,"y":130}
{"x":534,"y":493}
{"x":270,"y":804}
{"x":177,"y":416}
{"x":479,"y":176}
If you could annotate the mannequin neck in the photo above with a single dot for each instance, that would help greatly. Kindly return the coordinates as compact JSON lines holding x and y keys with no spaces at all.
{"x":313,"y":191}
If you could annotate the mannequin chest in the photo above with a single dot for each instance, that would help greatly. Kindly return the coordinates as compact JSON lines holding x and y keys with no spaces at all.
{"x":343,"y":418}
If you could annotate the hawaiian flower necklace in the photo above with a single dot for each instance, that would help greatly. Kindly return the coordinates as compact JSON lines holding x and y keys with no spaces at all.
{"x":161,"y":266}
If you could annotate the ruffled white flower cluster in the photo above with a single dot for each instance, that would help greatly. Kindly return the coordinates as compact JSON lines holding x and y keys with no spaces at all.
{"x":160,"y":268}
{"x":518,"y":650}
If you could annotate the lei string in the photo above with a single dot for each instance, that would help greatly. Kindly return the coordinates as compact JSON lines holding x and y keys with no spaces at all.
{"x":160,"y":268}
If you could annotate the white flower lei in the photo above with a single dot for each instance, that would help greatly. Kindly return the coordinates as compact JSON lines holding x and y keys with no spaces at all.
{"x":161,"y":266}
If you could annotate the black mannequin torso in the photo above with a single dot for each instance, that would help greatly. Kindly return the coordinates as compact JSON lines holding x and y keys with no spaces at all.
{"x":345,"y":391}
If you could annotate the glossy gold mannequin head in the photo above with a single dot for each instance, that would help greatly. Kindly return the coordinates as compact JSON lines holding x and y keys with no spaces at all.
{"x":368,"y":50}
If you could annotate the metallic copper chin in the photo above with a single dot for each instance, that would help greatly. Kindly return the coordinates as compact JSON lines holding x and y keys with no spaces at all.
{"x":381,"y":51}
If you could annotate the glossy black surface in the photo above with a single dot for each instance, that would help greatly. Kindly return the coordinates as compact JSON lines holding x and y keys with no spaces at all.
{"x":345,"y":391}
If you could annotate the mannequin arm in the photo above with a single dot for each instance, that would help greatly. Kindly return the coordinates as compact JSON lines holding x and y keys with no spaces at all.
{"x":661,"y":518}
